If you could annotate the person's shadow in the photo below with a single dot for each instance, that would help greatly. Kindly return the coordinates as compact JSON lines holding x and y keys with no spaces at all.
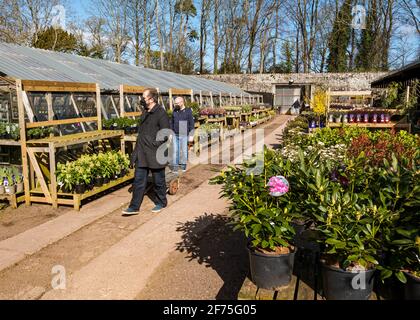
{"x":212,"y":242}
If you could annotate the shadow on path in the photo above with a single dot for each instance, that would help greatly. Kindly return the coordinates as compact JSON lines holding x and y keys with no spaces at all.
{"x":209,"y":240}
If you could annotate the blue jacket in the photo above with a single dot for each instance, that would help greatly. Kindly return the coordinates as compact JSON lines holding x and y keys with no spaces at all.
{"x":182,"y":119}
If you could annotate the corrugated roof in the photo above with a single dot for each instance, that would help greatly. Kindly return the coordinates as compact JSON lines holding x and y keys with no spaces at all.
{"x":410,"y":71}
{"x":36,"y":64}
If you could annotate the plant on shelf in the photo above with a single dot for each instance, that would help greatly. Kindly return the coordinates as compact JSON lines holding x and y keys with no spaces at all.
{"x":40,"y":132}
{"x":195,"y":108}
{"x":260,"y":207}
{"x":127,"y":124}
{"x":91,"y":170}
{"x":205,"y":112}
{"x":246,"y":109}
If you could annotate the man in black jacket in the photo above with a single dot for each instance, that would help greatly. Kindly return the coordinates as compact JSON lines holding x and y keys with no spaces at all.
{"x":147,"y":155}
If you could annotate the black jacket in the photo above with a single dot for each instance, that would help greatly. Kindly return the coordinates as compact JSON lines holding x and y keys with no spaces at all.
{"x":147,"y":144}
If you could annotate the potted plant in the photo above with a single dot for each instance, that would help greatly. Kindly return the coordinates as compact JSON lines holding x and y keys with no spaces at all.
{"x":18,"y":178}
{"x":264,"y":217}
{"x":9,"y":184}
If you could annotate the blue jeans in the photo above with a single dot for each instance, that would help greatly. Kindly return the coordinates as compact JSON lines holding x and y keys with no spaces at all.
{"x":140,"y":185}
{"x":179,"y":152}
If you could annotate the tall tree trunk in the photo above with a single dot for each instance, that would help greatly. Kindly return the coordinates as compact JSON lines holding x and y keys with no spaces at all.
{"x":159,"y":34}
{"x":216,"y":36}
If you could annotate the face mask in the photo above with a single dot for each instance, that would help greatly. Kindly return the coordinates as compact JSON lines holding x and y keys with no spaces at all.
{"x":143,"y":103}
{"x":177,"y":107}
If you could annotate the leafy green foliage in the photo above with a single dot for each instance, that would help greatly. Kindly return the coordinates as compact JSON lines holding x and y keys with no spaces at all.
{"x":89,"y":167}
{"x":264,"y":219}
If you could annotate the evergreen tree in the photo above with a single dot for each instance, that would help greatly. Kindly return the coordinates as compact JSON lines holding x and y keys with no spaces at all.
{"x":339,"y":39}
{"x":56,"y":39}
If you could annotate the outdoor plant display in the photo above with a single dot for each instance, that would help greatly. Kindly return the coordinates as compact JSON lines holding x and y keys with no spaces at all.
{"x":319,"y":103}
{"x":232,"y":110}
{"x":246,"y":109}
{"x":11,"y":180}
{"x":9,"y":131}
{"x":260,"y":207}
{"x":91,"y":170}
{"x":206,"y":112}
{"x":39,"y":133}
{"x":195,"y":107}
{"x":129,"y":125}
{"x":361,"y":190}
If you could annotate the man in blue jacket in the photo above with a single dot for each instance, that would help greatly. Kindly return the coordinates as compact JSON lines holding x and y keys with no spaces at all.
{"x":182,"y":124}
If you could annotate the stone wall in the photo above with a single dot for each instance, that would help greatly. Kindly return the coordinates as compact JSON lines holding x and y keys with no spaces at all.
{"x":264,"y":82}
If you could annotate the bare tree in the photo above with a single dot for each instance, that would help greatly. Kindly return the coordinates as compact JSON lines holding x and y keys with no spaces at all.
{"x":115,"y":15}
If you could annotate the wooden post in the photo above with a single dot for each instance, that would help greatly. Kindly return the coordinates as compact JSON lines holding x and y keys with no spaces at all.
{"x":220,"y":98}
{"x":242,"y":99}
{"x":201,"y":99}
{"x":48,"y":97}
{"x":99,"y":106}
{"x":22,"y":126}
{"x":171,"y":107}
{"x":211,"y":99}
{"x":122,"y":111}
{"x":53,"y":178}
{"x":407,"y":97}
{"x":192,"y":96}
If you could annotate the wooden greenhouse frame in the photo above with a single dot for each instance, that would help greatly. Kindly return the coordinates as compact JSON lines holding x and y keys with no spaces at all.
{"x":179,"y":92}
{"x":48,"y":192}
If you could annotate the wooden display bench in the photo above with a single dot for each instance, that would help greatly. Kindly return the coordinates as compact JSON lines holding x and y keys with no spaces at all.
{"x":401,"y":125}
{"x":235,"y":119}
{"x":40,"y":181}
{"x":245,"y":116}
{"x":9,"y":142}
{"x":49,"y":146}
{"x":74,"y":199}
{"x":14,"y":199}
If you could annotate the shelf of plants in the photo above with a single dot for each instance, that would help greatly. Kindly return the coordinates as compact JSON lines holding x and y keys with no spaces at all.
{"x":355,"y":109}
{"x":335,"y":204}
{"x":38,"y":142}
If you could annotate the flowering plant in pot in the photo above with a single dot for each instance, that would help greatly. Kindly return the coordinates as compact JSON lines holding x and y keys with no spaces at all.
{"x":9,"y":184}
{"x":264,"y":216}
{"x":204,"y":112}
{"x":349,"y":226}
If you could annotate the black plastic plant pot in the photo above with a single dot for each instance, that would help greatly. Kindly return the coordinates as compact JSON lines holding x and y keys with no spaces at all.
{"x":99,"y":182}
{"x":106,"y":180}
{"x":390,"y":289}
{"x":339,"y":284}
{"x":270,"y":271}
{"x":299,"y":227}
{"x":79,"y":188}
{"x":412,"y":287}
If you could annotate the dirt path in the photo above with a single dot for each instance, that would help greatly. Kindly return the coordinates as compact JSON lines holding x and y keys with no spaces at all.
{"x":31,"y":278}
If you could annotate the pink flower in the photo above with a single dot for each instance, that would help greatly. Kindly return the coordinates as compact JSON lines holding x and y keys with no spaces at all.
{"x":278,"y":186}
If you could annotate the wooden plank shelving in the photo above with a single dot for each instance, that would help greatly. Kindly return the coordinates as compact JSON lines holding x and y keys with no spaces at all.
{"x":75,"y":199}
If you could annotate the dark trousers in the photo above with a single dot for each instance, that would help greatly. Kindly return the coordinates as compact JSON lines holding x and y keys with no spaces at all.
{"x":140,"y":184}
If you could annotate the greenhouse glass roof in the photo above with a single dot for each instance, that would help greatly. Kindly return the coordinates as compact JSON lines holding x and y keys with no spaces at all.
{"x":26,"y":63}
